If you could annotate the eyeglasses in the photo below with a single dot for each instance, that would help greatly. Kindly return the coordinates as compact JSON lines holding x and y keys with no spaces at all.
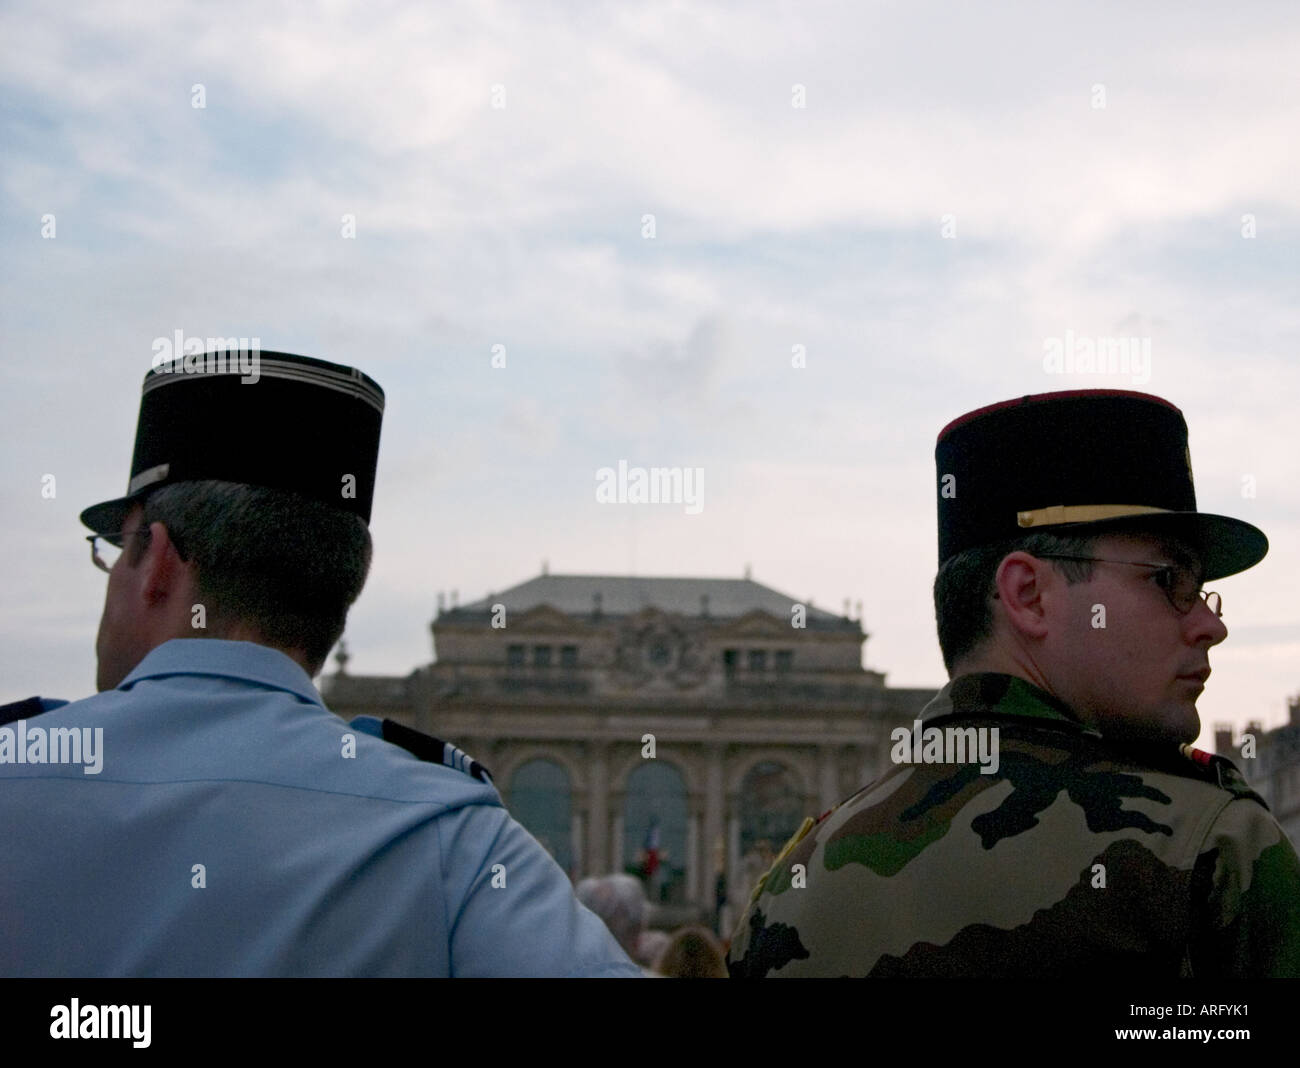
{"x":1179,"y":583}
{"x":106,"y":548}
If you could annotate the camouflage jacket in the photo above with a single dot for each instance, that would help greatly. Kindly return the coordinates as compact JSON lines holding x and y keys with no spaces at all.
{"x":1064,"y":855}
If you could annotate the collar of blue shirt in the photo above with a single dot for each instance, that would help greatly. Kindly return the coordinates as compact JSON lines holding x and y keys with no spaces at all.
{"x":235,"y":660}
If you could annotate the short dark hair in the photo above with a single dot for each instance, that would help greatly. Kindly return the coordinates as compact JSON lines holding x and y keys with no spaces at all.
{"x":964,"y":587}
{"x":285,"y":566}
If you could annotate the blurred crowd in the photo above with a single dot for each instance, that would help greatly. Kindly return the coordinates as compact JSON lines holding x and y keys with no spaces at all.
{"x":690,"y":952}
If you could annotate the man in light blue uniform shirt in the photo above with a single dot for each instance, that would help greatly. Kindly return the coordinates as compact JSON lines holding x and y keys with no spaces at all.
{"x":205,"y":814}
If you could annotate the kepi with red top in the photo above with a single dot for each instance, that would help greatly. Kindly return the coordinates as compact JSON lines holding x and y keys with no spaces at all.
{"x":1079,"y":462}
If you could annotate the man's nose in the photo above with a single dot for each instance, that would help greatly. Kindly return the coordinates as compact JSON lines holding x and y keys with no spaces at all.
{"x":1205,"y":624}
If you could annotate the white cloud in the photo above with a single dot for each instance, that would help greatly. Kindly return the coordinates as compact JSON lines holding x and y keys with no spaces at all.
{"x":775,"y":226}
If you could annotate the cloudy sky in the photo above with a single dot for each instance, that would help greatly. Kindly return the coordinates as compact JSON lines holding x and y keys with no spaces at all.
{"x":656,"y":210}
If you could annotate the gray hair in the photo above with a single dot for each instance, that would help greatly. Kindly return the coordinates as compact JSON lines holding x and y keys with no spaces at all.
{"x":620,"y":901}
{"x":278,"y":563}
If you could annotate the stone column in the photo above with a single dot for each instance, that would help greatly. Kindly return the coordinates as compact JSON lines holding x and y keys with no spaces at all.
{"x":694,"y":861}
{"x":828,"y":786}
{"x":713,"y":817}
{"x":735,"y":892}
{"x":598,"y":830}
{"x":577,"y":844}
{"x":868,"y":759}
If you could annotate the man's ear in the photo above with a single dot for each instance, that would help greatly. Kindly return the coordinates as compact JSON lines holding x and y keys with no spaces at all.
{"x":162,"y":571}
{"x":1024,"y":586}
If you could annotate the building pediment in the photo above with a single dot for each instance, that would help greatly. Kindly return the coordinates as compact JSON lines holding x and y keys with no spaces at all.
{"x":757,"y":624}
{"x":542,"y":620}
{"x":654,"y":647}
{"x":649,"y":616}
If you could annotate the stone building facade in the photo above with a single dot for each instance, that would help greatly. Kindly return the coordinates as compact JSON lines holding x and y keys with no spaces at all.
{"x":1271,"y":765}
{"x":678,"y":728}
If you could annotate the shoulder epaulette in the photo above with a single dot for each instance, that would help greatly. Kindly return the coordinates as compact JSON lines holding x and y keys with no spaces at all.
{"x":1210,"y":767}
{"x":808,"y":824}
{"x":27,"y":708}
{"x":1186,"y":761}
{"x":433,"y":750}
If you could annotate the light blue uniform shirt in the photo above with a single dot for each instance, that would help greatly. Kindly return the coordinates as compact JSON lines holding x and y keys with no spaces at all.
{"x":313,"y":862}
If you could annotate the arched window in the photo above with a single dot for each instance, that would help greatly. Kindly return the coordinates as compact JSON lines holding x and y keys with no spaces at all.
{"x":771,"y":809}
{"x":540,"y":800}
{"x":654,"y":830}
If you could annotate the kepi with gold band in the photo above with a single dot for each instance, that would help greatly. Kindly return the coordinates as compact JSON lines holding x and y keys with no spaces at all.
{"x":1089,"y":461}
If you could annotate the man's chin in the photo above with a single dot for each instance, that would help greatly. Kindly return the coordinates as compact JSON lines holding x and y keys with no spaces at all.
{"x":1176,"y":724}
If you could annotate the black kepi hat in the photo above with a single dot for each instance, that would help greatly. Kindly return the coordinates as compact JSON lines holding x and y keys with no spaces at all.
{"x":268,"y":419}
{"x":1090,"y":461}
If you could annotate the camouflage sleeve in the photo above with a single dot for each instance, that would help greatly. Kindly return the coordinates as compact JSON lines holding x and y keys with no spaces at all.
{"x":1246,"y":886}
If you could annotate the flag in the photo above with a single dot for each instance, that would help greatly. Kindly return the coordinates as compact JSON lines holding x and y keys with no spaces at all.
{"x":651,"y":863}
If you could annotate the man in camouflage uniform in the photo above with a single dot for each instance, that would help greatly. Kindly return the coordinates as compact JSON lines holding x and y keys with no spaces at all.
{"x":1046,"y":817}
